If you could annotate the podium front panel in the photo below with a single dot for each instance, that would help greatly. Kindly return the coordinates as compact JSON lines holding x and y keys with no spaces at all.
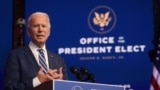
{"x":74,"y":85}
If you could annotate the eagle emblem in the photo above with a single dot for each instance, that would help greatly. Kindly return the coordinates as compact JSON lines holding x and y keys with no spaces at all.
{"x":101,"y":19}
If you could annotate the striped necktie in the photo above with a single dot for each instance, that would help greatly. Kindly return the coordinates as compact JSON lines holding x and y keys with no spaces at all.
{"x":42,"y":60}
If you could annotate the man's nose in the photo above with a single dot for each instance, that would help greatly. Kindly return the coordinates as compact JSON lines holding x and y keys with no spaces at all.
{"x":40,"y":28}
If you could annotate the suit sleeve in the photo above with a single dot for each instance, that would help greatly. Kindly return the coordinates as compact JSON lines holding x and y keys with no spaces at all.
{"x":12,"y":77}
{"x":65,"y":76}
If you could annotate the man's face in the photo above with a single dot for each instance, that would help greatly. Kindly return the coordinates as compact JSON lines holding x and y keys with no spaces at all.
{"x":39,"y":29}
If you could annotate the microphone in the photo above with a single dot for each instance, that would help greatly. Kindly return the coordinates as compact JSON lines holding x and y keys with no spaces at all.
{"x":87,"y":75}
{"x":83,"y":70}
{"x":75,"y":71}
{"x":91,"y":77}
{"x":82,"y":74}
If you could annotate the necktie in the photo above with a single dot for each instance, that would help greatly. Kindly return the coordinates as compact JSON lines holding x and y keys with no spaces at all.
{"x":42,"y":60}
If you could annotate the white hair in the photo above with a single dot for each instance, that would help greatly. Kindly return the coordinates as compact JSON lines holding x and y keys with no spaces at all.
{"x":38,"y":13}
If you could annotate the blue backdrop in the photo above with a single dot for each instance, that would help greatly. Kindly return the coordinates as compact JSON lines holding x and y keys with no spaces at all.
{"x":116,"y":53}
{"x":6,"y":34}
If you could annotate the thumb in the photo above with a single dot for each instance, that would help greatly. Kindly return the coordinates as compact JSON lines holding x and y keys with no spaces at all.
{"x":41,"y":69}
{"x":60,"y":70}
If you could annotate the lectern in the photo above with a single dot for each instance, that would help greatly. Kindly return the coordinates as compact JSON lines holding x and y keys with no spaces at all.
{"x":75,"y":85}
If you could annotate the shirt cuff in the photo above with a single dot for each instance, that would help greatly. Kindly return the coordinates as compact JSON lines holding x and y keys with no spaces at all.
{"x":36,"y":82}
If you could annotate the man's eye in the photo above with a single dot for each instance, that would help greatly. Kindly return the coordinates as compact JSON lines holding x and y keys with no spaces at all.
{"x":35,"y":26}
{"x":44,"y":26}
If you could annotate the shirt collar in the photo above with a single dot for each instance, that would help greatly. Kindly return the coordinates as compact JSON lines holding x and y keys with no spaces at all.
{"x":34,"y":47}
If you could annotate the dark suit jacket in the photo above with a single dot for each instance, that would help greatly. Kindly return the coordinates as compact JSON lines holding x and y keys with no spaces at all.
{"x":22,"y":67}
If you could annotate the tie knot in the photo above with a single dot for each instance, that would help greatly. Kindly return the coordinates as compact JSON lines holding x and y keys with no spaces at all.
{"x":40,"y":50}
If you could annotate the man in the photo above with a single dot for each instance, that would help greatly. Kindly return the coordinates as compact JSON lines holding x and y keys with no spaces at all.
{"x":24,"y":69}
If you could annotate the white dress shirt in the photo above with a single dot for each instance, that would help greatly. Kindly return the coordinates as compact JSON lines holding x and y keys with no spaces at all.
{"x":35,"y":52}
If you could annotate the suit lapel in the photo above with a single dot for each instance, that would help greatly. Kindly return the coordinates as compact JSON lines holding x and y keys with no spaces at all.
{"x":50,"y":60}
{"x":31,"y":59}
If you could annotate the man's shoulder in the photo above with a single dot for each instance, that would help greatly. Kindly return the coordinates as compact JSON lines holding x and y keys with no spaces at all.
{"x":20,"y":49}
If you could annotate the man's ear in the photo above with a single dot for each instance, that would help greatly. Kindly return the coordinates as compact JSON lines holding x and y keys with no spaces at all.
{"x":49,"y":33}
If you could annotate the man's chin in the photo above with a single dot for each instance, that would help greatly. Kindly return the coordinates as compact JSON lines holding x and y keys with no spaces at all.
{"x":41,"y":42}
